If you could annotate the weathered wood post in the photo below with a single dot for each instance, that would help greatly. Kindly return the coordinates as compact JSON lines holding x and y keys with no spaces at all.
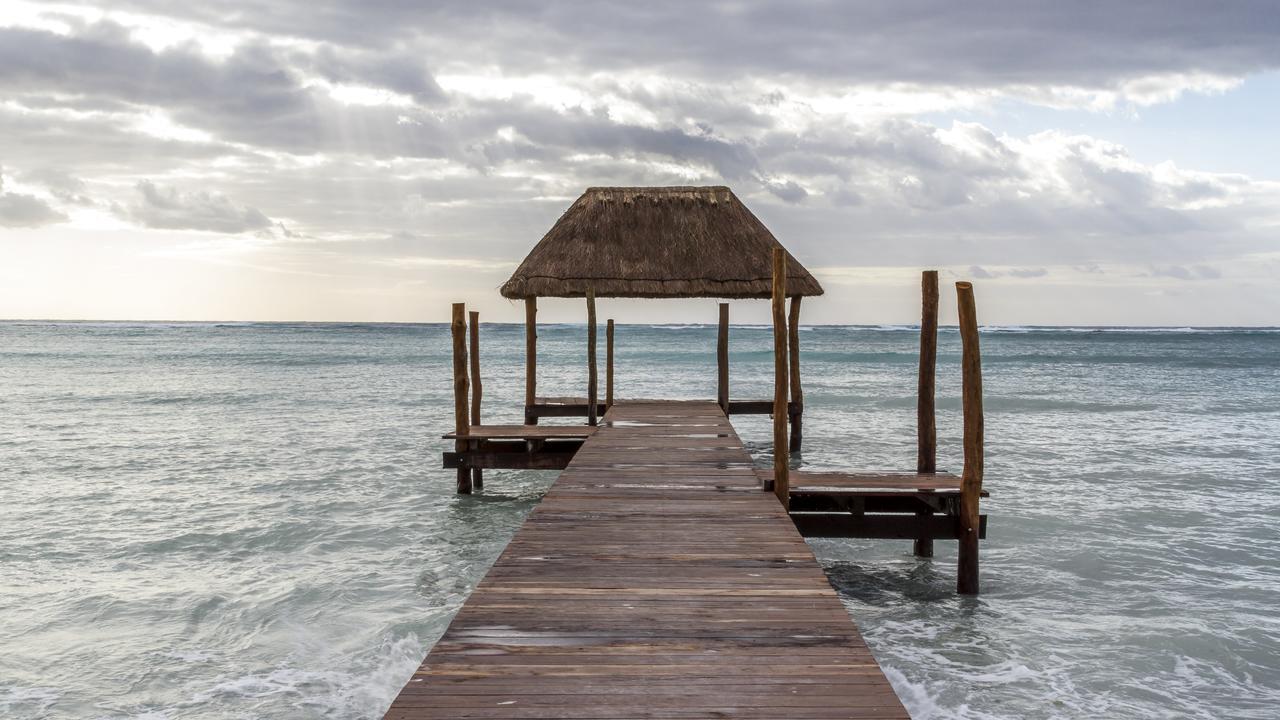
{"x":971,"y":480}
{"x":722,"y":359}
{"x":462,"y":423}
{"x":926,"y":413}
{"x":530,"y":359}
{"x":795,"y":410}
{"x":477,"y":387}
{"x":781,"y":456}
{"x":591,"y":357}
{"x":608,"y":364}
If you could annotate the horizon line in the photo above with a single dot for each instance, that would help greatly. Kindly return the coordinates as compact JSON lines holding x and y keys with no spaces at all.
{"x":65,"y":321}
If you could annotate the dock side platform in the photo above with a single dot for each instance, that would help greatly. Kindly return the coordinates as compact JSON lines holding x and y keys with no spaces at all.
{"x":654,"y":580}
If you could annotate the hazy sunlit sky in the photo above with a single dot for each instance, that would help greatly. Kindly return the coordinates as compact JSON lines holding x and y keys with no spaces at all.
{"x":1083,"y":163}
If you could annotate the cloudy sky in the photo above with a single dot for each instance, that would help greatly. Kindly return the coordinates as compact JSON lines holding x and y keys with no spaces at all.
{"x":1084,"y":163}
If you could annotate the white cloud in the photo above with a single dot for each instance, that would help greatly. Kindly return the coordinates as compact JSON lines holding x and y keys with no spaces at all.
{"x":462,"y":130}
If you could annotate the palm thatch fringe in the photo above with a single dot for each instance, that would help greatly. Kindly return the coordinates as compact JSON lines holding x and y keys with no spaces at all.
{"x":656,"y":242}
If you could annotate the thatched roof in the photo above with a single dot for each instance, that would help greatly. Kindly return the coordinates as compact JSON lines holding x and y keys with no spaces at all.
{"x":656,"y":242}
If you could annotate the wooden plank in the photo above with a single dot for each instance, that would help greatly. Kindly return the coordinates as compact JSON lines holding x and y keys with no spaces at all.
{"x":757,"y":407}
{"x":538,"y":410}
{"x":523,"y":432}
{"x":886,"y":527}
{"x":904,"y":482}
{"x":473,"y":459}
{"x":654,"y":580}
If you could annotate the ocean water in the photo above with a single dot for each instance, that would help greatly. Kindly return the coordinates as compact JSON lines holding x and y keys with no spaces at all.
{"x":250,"y":520}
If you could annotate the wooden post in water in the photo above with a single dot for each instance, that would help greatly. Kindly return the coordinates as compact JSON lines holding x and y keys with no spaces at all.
{"x":530,"y":359}
{"x":462,"y":423}
{"x":722,"y":359}
{"x":795,"y":410}
{"x":591,"y":357}
{"x":608,"y":363}
{"x":781,"y":456}
{"x":926,"y":414}
{"x":477,"y":388}
{"x":971,"y":480}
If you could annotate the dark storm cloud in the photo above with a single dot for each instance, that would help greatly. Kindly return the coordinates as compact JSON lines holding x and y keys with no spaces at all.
{"x":60,"y":183}
{"x":104,"y":62}
{"x":980,"y":43}
{"x":661,"y":93}
{"x":19,"y":210}
{"x":255,"y":96}
{"x":170,"y":209}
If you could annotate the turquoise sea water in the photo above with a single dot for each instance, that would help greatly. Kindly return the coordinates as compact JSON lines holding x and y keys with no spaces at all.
{"x":250,"y":520}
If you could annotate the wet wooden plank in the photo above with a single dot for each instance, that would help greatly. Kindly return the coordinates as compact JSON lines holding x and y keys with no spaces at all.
{"x":654,"y":580}
{"x":902,"y":482}
{"x":523,"y":432}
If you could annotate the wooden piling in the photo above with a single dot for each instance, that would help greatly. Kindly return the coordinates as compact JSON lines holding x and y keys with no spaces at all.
{"x":462,"y":421}
{"x":722,"y":359}
{"x":971,"y":479}
{"x":608,"y":363}
{"x":477,"y":387}
{"x":530,"y":359}
{"x":796,"y":409}
{"x":926,"y":411}
{"x":591,"y":358}
{"x":781,"y":456}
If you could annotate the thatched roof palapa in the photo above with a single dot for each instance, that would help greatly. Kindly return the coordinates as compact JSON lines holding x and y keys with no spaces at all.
{"x":656,"y":242}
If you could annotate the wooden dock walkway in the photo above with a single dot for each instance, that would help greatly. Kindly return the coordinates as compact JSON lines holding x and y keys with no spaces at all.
{"x":654,"y":580}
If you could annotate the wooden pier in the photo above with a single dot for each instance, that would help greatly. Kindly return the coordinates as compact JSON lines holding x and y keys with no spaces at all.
{"x":654,"y":580}
{"x":663,"y":575}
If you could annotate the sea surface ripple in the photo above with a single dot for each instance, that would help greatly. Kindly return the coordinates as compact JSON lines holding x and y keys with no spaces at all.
{"x":247,"y":520}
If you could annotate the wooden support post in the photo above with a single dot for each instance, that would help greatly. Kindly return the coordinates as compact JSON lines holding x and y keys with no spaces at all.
{"x":477,"y":388}
{"x":926,"y":414}
{"x":781,"y":456}
{"x":722,"y":359}
{"x":971,"y":479}
{"x":530,"y":358}
{"x":462,"y":422}
{"x":796,"y":408}
{"x":591,"y":357}
{"x":608,"y":363}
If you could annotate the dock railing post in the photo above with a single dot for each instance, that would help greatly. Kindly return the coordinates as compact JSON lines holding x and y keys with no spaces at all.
{"x":795,"y":410}
{"x":462,"y":423}
{"x":477,"y":387}
{"x":530,"y":359}
{"x":971,"y":480}
{"x":781,"y":456}
{"x":591,"y":357}
{"x":722,"y":359}
{"x":608,"y":364}
{"x":926,"y":411}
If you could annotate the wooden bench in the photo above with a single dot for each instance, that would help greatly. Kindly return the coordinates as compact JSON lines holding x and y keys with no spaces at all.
{"x":894,"y":505}
{"x":516,"y":447}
